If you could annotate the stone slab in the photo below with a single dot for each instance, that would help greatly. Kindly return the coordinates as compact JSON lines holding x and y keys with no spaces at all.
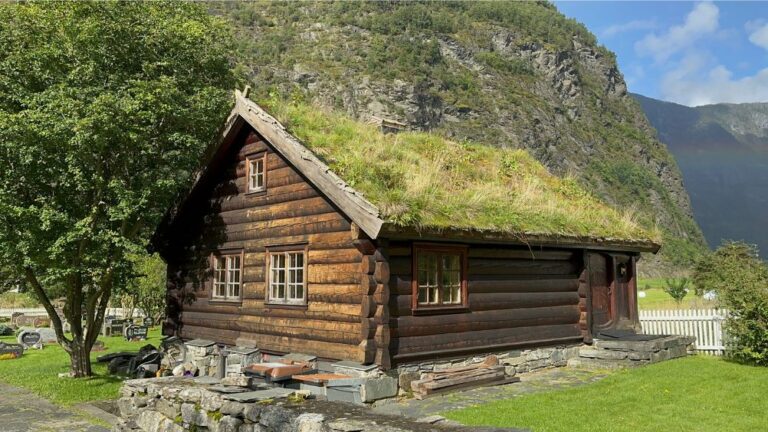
{"x":374,"y":389}
{"x":228,"y":389}
{"x":259,"y":395}
{"x":346,"y":382}
{"x":207,"y":380}
{"x":354,"y":365}
{"x":246,"y":351}
{"x":203,"y":343}
{"x":298,"y":357}
{"x":350,"y":394}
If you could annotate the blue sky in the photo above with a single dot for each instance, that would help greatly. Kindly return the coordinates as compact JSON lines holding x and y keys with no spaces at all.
{"x":692,"y":53}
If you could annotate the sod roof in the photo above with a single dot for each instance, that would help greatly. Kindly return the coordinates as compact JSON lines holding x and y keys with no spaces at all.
{"x":427,"y":182}
{"x":422,"y":184}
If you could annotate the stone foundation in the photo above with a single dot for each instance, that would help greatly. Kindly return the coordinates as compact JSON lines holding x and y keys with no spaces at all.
{"x":618,"y":353}
{"x":177,"y":404}
{"x":515,"y":362}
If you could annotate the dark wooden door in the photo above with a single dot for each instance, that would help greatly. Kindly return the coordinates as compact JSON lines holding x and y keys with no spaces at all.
{"x":624,"y":289}
{"x":601,"y":294}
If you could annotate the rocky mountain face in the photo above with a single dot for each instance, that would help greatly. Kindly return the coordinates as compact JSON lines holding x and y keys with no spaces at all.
{"x":505,"y":74}
{"x":722,"y":151}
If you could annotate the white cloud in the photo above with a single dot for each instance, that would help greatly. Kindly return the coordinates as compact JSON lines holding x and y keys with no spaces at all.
{"x":701,"y":21}
{"x":695,"y":82}
{"x":628,"y":27}
{"x":759,"y":36}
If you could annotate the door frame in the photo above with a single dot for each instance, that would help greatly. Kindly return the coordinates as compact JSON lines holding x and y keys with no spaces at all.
{"x":629,"y":296}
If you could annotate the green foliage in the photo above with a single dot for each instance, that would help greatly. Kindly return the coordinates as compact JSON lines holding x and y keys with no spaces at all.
{"x":676,"y":288}
{"x":501,"y":63}
{"x":146,"y":287}
{"x":105,"y":109}
{"x":18,"y":300}
{"x":735,"y":272}
{"x":425,"y":180}
{"x":5,"y":330}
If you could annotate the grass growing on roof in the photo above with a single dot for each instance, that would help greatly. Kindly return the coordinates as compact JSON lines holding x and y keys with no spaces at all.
{"x":424,"y":180}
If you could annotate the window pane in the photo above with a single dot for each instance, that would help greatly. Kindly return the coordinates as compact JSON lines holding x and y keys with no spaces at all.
{"x":300,"y":276}
{"x":422,"y":295}
{"x":450,"y":284}
{"x":256,"y":174}
{"x":219,"y":277}
{"x":427,"y":278}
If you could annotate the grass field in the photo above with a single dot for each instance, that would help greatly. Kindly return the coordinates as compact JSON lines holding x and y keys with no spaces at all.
{"x":38,"y":371}
{"x":656,"y":298}
{"x":692,"y":394}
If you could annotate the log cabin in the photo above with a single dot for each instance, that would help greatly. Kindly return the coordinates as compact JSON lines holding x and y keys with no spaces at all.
{"x":329,"y":237}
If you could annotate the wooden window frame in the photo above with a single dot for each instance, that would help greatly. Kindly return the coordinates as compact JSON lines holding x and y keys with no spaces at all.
{"x":416,"y":307}
{"x":285,"y":250}
{"x":248,"y":160}
{"x":241,"y":286}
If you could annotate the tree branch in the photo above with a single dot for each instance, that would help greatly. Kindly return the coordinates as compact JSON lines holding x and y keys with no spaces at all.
{"x":43,"y":297}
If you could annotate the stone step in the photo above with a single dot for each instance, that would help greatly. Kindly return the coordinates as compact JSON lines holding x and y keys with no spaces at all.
{"x":593,"y":363}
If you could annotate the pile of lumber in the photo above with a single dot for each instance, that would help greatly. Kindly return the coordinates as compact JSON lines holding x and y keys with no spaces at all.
{"x":489,"y":372}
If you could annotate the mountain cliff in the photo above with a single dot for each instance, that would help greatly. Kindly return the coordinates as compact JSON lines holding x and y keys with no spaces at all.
{"x":516,"y":75}
{"x":722,"y":151}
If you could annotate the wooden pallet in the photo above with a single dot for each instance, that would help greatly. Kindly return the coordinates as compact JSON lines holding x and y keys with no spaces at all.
{"x":489,"y":372}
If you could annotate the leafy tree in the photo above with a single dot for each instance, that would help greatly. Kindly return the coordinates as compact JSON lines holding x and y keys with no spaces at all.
{"x":146,"y":290}
{"x":105,"y":109}
{"x":740,"y":279}
{"x":676,"y":288}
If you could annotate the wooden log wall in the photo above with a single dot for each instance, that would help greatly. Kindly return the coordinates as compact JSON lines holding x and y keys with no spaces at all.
{"x":516,"y":298}
{"x":374,"y":315}
{"x":290,"y":212}
{"x":584,"y":319}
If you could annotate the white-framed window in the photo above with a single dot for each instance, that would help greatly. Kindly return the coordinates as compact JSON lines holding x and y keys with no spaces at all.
{"x":287,"y":277}
{"x":256,"y":173}
{"x":440,"y":280}
{"x":227,"y":276}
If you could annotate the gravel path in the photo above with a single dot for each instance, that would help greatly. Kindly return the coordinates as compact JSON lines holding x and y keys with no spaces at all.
{"x":22,"y":411}
{"x":535,"y":382}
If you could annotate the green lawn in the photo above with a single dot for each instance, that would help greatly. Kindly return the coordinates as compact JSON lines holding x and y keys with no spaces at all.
{"x":37,"y":371}
{"x":692,"y":394}
{"x":656,"y":298}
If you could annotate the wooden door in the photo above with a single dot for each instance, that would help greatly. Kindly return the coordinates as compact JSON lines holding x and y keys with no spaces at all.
{"x":624,"y":289}
{"x":601,"y":291}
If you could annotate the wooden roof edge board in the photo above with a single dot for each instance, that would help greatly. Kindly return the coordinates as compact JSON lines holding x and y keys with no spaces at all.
{"x":393,"y":231}
{"x":350,"y":201}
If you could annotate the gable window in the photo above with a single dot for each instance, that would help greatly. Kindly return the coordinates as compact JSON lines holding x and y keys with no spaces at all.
{"x":287,"y":276}
{"x":256,"y":173}
{"x":440,"y":277}
{"x":227,"y":276}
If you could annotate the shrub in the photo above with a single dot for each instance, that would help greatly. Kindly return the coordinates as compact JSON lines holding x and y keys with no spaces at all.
{"x":5,"y":330}
{"x":18,"y":300}
{"x":676,"y":288}
{"x":740,"y":279}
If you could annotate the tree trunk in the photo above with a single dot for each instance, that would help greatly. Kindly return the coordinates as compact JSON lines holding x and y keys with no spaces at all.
{"x":80,"y":359}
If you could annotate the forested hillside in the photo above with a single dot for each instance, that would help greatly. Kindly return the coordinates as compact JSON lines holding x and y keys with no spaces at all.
{"x":722,"y":151}
{"x":517,"y":75}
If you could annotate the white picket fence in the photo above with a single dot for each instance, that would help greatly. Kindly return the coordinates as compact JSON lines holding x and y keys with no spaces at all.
{"x":705,"y":324}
